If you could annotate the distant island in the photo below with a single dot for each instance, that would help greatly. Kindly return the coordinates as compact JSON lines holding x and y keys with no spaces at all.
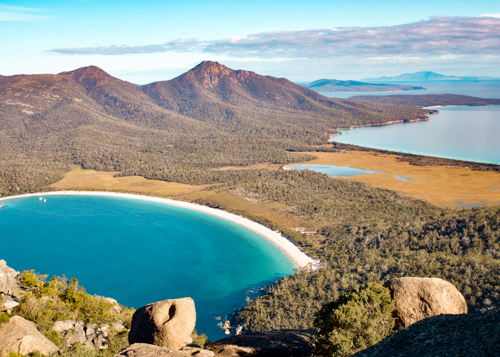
{"x":334,"y":85}
{"x":428,"y":76}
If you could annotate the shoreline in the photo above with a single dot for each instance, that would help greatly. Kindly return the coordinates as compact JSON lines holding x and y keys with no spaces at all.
{"x":291,"y":251}
{"x":386,"y":123}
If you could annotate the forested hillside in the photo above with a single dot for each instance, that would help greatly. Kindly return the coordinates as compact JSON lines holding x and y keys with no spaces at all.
{"x":185,"y":129}
{"x":369,"y":234}
{"x":209,"y":117}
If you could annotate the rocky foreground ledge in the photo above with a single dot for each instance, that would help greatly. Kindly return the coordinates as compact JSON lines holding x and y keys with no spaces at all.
{"x":430,"y":312}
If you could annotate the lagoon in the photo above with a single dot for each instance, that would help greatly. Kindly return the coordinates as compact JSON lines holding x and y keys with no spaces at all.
{"x":334,"y":171}
{"x":140,"y":252}
{"x":460,"y":133}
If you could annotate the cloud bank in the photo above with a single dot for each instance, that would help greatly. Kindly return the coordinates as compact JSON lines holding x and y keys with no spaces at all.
{"x":438,"y":36}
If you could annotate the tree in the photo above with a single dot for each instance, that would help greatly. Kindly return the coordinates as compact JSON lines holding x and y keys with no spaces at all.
{"x":358,"y":319}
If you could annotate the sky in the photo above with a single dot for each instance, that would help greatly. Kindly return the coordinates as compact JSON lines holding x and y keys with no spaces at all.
{"x":146,"y":41}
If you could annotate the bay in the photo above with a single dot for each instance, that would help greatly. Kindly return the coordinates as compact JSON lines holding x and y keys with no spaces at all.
{"x":481,"y":89}
{"x":139,"y":252}
{"x":460,"y":133}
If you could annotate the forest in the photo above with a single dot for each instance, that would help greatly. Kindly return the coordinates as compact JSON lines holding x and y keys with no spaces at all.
{"x":211,"y":117}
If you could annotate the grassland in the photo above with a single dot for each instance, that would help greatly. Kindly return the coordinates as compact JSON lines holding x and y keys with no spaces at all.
{"x":79,"y":179}
{"x":442,"y":186}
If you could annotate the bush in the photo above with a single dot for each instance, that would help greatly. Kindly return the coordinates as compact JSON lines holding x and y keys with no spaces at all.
{"x":358,"y":319}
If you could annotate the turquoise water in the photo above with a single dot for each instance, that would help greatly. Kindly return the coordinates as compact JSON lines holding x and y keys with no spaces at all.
{"x":140,"y":252}
{"x":461,"y":133}
{"x":334,"y":171}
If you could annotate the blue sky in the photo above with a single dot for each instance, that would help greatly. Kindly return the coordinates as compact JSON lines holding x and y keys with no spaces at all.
{"x":145,"y":41}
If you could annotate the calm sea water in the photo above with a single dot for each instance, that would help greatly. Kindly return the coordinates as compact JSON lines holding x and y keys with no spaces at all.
{"x":334,"y":171}
{"x":140,"y":252}
{"x":482,"y":89}
{"x":461,"y":133}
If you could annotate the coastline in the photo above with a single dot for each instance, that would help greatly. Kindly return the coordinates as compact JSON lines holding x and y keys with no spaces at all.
{"x":292,"y":252}
{"x":386,"y":123}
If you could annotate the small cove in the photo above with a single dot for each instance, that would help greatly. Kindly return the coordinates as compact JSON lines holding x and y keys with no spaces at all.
{"x":139,"y":252}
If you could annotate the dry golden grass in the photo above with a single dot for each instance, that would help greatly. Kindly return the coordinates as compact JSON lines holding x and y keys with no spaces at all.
{"x":276,"y":212}
{"x":442,"y":186}
{"x":79,"y":179}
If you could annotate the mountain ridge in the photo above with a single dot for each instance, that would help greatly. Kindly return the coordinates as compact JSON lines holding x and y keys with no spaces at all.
{"x":427,"y":76}
{"x":335,"y":85}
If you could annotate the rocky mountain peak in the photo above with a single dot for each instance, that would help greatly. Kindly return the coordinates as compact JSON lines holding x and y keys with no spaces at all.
{"x":210,"y":73}
{"x":87,"y":75}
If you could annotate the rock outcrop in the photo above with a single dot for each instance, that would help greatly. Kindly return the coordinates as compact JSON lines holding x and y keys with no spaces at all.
{"x":7,"y":303}
{"x":22,"y":337}
{"x":9,"y":281}
{"x":147,"y":350}
{"x":419,"y":298}
{"x":91,"y":335}
{"x":476,"y":334}
{"x":278,"y":343}
{"x":166,"y":323}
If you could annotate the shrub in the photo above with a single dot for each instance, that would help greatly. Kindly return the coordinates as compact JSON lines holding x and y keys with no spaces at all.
{"x":358,"y":319}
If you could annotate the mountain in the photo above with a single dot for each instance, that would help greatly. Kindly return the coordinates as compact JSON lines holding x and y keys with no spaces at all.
{"x":333,"y":85}
{"x":210,"y":116}
{"x":426,"y":76}
{"x":214,"y":93}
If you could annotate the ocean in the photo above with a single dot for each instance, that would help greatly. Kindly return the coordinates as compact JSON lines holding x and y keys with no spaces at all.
{"x":139,"y":252}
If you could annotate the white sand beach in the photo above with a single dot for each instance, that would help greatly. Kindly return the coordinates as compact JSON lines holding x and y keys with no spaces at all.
{"x":296,"y":256}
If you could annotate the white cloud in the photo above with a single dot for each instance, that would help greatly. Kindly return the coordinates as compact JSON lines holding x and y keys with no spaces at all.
{"x":17,"y":13}
{"x":439,"y":35}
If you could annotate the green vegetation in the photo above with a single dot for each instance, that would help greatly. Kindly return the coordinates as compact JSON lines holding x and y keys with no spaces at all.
{"x":211,"y":117}
{"x":426,"y":100}
{"x":368,"y":234}
{"x":357,"y":320}
{"x":44,"y":303}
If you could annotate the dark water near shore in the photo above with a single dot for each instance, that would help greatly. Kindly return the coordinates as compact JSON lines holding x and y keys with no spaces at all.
{"x":482,"y":89}
{"x":460,"y":133}
{"x":139,"y":252}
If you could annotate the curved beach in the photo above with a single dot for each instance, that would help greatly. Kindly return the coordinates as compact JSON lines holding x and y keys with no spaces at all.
{"x":296,"y":256}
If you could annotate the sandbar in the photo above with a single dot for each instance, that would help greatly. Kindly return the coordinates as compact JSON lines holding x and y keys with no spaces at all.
{"x":292,"y":252}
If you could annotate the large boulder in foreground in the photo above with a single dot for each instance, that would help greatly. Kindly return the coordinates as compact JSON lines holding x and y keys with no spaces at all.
{"x":22,"y":337}
{"x":419,"y":298}
{"x":476,"y":335}
{"x":278,"y":343}
{"x":166,"y":323}
{"x":9,"y":281}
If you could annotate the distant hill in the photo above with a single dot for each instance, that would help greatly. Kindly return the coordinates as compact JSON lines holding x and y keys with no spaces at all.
{"x":426,"y":76}
{"x":334,"y":85}
{"x":211,"y":116}
{"x":427,"y":100}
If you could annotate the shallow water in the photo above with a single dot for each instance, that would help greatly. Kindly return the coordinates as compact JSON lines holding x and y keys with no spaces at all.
{"x":139,"y":252}
{"x":334,"y":171}
{"x":461,"y":133}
